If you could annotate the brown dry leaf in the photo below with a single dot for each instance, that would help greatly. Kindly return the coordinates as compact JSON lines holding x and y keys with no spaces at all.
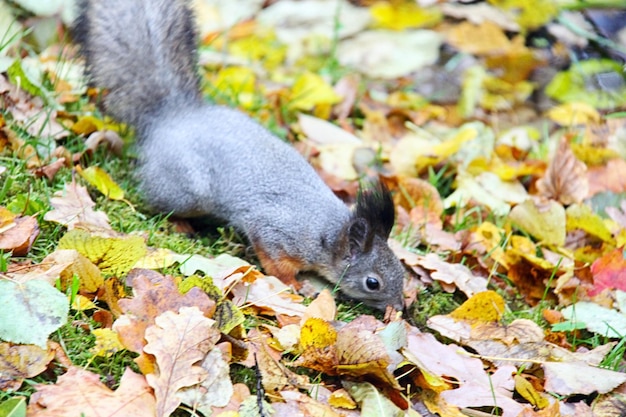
{"x":216,"y":390}
{"x":110,"y":138}
{"x":73,"y":207}
{"x":484,"y":39}
{"x":569,"y":378}
{"x":270,"y":295}
{"x":79,"y":392}
{"x":608,"y":177}
{"x":306,"y":405}
{"x":275,"y":375}
{"x":154,"y":294}
{"x":456,"y":274}
{"x":362,"y":352}
{"x":565,"y":179}
{"x":421,"y":199}
{"x":476,"y":387}
{"x":17,"y":234}
{"x":77,"y":265}
{"x":323,"y":307}
{"x":178,"y":341}
{"x":18,"y":362}
{"x":240,"y":393}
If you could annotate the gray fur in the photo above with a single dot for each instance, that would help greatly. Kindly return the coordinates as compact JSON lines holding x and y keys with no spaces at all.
{"x":198,"y":159}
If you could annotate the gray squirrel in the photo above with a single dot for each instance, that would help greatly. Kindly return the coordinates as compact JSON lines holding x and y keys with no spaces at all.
{"x":200,"y":159}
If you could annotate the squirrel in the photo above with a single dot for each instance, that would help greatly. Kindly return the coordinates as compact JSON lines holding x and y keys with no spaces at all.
{"x":201,"y":159}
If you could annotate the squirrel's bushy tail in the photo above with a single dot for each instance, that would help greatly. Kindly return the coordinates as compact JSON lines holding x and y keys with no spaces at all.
{"x":143,"y":52}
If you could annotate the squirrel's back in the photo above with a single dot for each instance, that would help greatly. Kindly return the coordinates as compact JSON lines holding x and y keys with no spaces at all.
{"x":144,"y":52}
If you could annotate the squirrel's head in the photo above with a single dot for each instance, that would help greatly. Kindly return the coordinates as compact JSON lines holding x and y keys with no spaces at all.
{"x":372,"y":273}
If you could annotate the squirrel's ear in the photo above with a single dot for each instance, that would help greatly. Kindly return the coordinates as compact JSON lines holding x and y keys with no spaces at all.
{"x":375,"y":206}
{"x":359,"y":235}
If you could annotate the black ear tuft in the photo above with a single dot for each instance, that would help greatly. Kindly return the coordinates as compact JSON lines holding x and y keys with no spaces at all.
{"x":375,"y":206}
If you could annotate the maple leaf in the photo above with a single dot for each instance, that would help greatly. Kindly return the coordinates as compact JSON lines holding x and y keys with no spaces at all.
{"x":609,"y":271}
{"x":79,"y":392}
{"x":178,"y":341}
{"x":154,"y":295}
{"x":73,"y":207}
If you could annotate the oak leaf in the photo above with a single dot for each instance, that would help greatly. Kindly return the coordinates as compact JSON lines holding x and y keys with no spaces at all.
{"x":79,"y":392}
{"x":154,"y":295}
{"x":178,"y":341}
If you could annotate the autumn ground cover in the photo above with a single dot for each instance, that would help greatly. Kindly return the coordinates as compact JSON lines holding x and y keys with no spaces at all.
{"x":500,"y":127}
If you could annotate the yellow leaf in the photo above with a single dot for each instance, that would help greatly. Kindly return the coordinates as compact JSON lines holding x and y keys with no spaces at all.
{"x":546,"y":222}
{"x":485,"y":306}
{"x":87,"y":124}
{"x":593,"y":155}
{"x":89,"y":275}
{"x":238,"y":83}
{"x":401,"y":16}
{"x":107,"y":343}
{"x":341,"y":399}
{"x":317,"y":333}
{"x":445,"y":149}
{"x":311,"y":90}
{"x":262,"y":47}
{"x":487,"y":38}
{"x":580,"y":216}
{"x":114,"y":256}
{"x":82,"y":303}
{"x":575,"y":113}
{"x":530,"y":394}
{"x":99,"y":178}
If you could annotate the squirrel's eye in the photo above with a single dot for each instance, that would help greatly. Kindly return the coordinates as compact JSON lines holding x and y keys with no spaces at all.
{"x":372,"y":283}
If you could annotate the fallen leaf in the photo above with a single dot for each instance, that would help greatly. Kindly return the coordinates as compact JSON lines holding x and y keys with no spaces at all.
{"x":79,"y":392}
{"x":107,"y":343}
{"x":112,"y":255}
{"x":215,"y":391}
{"x":178,"y":341}
{"x":154,"y":294}
{"x":545,"y":221}
{"x":18,"y":235}
{"x":565,"y":179}
{"x":486,"y":306}
{"x":388,"y":54}
{"x":609,"y":272}
{"x":270,"y":294}
{"x":30,"y":311}
{"x":579,"y":378}
{"x":103,"y":182}
{"x":323,"y":307}
{"x":18,"y":362}
{"x":598,"y":319}
{"x":371,"y":402}
{"x":90,"y":277}
{"x":456,"y":274}
{"x":73,"y":207}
